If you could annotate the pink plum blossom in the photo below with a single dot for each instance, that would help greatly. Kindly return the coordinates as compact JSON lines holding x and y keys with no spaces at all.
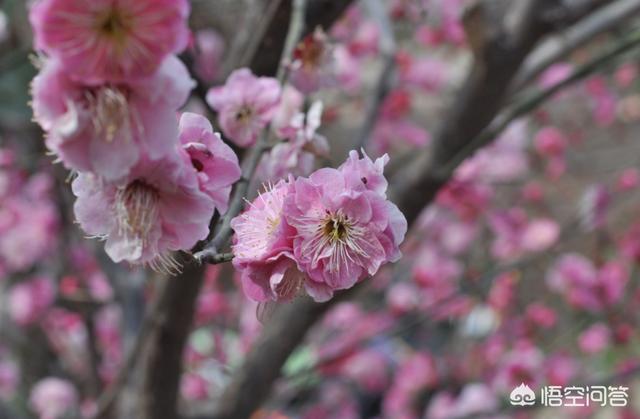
{"x":264,"y":253}
{"x":313,"y":64}
{"x":561,"y":369}
{"x":29,"y":300}
{"x":402,"y":298}
{"x":550,"y":141}
{"x":394,"y":125}
{"x":595,"y":339}
{"x":194,"y":387}
{"x":54,"y":398}
{"x":345,"y":227}
{"x":28,"y":228}
{"x":107,"y":128}
{"x":541,"y":315}
{"x":110,"y":40}
{"x":245,"y":105}
{"x":515,"y":234}
{"x":209,"y":46}
{"x":586,"y":287}
{"x":426,"y":73}
{"x":626,"y":74}
{"x":523,"y":364}
{"x":358,"y":368}
{"x":157,"y":209}
{"x":415,"y":375}
{"x":215,"y":162}
{"x":629,"y":179}
{"x":297,"y":155}
{"x":289,"y":108}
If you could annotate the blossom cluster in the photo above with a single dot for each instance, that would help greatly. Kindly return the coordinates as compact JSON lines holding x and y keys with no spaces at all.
{"x":28,"y":216}
{"x":319,"y":233}
{"x":107,"y":96}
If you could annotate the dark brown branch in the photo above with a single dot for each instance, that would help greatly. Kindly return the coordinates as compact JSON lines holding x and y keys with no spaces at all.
{"x":252,"y":382}
{"x":162,"y":366}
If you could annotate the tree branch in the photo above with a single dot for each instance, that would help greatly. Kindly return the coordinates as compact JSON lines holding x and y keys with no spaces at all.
{"x":385,"y":78}
{"x":171,"y":324}
{"x":558,"y":47}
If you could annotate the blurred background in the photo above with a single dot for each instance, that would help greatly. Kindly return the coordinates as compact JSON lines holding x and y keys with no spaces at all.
{"x":512,"y":130}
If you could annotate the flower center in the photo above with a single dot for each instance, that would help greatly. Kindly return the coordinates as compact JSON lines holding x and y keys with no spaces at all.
{"x":336,"y":228}
{"x":114,"y":24}
{"x":137,"y":209}
{"x":110,"y":112}
{"x":197,"y":164}
{"x":244,"y":114}
{"x":309,"y":52}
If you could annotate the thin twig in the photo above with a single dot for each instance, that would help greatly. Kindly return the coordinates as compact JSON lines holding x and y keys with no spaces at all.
{"x":385,"y":79}
{"x":209,"y":254}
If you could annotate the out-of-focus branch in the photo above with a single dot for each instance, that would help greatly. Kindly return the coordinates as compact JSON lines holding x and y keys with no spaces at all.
{"x":252,"y":382}
{"x":162,"y":365}
{"x":557,"y":47}
{"x":385,"y":79}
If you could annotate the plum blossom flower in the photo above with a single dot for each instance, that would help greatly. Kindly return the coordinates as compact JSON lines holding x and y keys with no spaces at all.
{"x":208,"y":54}
{"x":28,"y":227}
{"x":246,"y":104}
{"x":346,"y":229}
{"x":157,"y":209}
{"x":595,"y":339}
{"x":289,"y":108}
{"x":110,"y":40}
{"x":323,"y":233}
{"x":425,"y":73}
{"x":584,"y":286}
{"x":523,"y":364}
{"x":395,"y":126}
{"x":29,"y":300}
{"x":54,"y":398}
{"x":297,"y":155}
{"x":106,"y":128}
{"x":515,"y":234}
{"x":416,"y":375}
{"x":263,"y":250}
{"x":215,"y":162}
{"x":313,"y":64}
